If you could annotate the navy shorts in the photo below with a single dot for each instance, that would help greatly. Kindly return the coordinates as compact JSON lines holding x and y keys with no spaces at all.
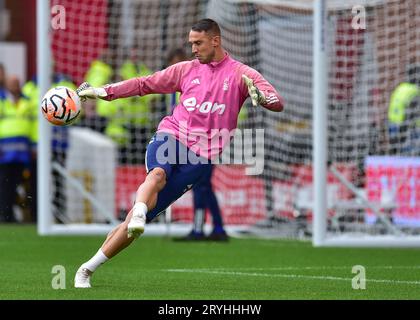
{"x":183,"y":169}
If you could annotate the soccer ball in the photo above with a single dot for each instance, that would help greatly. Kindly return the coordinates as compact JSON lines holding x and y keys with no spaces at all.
{"x":61,"y":106}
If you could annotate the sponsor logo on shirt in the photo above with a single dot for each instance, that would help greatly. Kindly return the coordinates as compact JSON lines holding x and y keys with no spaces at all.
{"x":206,"y":107}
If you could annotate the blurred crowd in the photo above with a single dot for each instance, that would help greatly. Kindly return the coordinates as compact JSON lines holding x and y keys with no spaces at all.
{"x":18,"y":139}
{"x":126,"y":121}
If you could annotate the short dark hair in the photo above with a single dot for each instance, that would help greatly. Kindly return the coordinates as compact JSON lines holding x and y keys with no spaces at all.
{"x":207,"y":25}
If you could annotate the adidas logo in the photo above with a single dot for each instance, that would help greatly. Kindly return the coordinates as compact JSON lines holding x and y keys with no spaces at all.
{"x":271,"y":99}
{"x":196,"y":81}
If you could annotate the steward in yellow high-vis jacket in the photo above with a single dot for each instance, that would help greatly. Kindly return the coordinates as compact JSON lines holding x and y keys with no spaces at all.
{"x":15,"y":146}
{"x":404,"y":115}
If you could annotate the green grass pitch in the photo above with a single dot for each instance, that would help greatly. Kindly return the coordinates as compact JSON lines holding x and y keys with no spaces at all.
{"x":157,"y":268}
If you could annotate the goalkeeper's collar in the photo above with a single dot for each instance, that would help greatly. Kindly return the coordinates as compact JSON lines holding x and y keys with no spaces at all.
{"x":217,"y":64}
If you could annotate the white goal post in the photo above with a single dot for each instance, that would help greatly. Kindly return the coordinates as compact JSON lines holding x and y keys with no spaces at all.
{"x":393,"y":233}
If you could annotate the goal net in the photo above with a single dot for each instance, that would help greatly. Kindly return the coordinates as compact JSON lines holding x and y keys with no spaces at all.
{"x":373,"y":170}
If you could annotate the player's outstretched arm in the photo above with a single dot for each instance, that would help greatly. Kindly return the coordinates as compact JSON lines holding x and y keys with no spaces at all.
{"x":257,"y":97}
{"x":160,"y":82}
{"x":260,"y":90}
{"x":86,"y":91}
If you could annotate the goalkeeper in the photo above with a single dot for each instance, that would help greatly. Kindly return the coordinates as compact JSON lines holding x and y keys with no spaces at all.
{"x":213,"y":88}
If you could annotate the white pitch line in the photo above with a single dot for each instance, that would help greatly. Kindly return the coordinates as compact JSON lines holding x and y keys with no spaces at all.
{"x":253,"y":274}
{"x":317,"y":268}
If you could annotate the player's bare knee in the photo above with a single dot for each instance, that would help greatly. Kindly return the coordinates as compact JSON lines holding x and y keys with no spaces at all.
{"x":158,"y":177}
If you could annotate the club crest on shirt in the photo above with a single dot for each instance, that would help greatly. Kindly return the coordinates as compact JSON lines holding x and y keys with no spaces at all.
{"x":226,"y":84}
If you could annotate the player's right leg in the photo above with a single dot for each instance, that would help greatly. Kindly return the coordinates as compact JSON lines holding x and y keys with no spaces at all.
{"x":125,"y":233}
{"x":136,"y":218}
{"x":157,"y":192}
{"x":146,"y":198}
{"x":182,"y":179}
{"x":160,"y":158}
{"x":117,"y":239}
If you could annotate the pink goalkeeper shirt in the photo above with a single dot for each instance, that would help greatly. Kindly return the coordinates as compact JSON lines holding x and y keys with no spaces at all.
{"x":211,"y":98}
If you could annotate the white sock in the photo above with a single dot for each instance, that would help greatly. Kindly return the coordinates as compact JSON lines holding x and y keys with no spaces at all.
{"x":94,"y":262}
{"x":140,"y":208}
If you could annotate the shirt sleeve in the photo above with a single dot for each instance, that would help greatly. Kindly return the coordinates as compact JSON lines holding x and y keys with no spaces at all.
{"x":161,"y":82}
{"x":274,"y":101}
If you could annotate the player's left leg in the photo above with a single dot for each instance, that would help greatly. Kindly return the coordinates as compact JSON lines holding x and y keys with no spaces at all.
{"x":154,"y":195}
{"x":117,"y":239}
{"x":183,"y":178}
